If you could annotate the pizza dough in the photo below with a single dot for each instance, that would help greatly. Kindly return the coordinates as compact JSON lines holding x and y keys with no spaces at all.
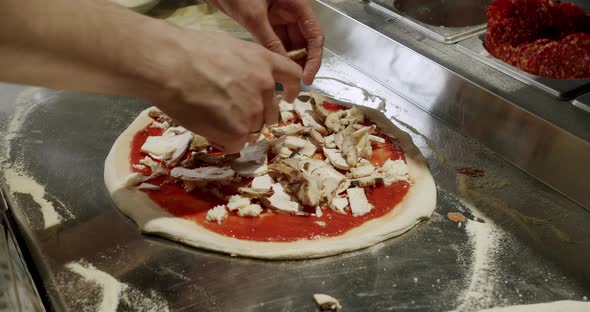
{"x":556,"y":306}
{"x":417,"y":205}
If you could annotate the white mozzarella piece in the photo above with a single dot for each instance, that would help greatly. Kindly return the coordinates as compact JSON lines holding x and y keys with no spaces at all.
{"x":338,"y":204}
{"x":395,"y":170}
{"x":216,"y":214}
{"x":359,"y":205}
{"x":159,"y":147}
{"x":250,"y":211}
{"x":238,"y":202}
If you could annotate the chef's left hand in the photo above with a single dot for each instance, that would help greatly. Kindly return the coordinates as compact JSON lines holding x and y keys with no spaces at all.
{"x":280,"y":25}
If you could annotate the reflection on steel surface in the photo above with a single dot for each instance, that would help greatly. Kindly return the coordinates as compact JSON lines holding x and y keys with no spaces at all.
{"x":583,"y":103}
{"x":444,"y":13}
{"x":531,"y":143}
{"x":559,"y":88}
{"x":444,"y":21}
{"x":17,"y":292}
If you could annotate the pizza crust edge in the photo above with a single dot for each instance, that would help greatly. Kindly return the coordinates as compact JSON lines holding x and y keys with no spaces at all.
{"x":418,"y":204}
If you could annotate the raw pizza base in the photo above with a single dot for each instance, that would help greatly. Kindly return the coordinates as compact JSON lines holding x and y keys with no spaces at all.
{"x":417,"y":205}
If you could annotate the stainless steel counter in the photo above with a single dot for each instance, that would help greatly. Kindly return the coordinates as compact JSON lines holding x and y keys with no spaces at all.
{"x":523,"y":243}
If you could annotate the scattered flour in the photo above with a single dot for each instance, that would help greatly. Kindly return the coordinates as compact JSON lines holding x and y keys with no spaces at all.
{"x":485,"y":238}
{"x":16,"y":178}
{"x":111,"y":288}
{"x":115,"y":293}
{"x":23,"y":184}
{"x":24,"y":104}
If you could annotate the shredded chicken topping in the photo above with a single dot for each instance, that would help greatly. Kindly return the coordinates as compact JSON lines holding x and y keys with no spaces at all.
{"x":315,"y":157}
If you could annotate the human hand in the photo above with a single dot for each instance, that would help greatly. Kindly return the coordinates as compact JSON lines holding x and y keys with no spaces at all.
{"x":280,"y":26}
{"x":222,"y":88}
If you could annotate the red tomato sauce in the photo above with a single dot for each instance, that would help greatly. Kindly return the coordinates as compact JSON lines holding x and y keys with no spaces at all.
{"x":331,"y":107}
{"x":270,"y":225}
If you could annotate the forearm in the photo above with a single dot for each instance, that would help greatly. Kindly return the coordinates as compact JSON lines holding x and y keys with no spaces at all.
{"x":88,"y":45}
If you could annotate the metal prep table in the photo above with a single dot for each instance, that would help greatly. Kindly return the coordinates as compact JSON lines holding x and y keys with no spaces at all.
{"x":527,"y":239}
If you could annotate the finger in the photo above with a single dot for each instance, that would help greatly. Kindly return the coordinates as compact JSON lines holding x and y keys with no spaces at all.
{"x":281,"y":31}
{"x":288,"y":73}
{"x":295,"y":37}
{"x":231,"y":146}
{"x":257,"y":119}
{"x":313,"y":35}
{"x":217,"y":146}
{"x":267,"y":37}
{"x":216,"y":4}
{"x":271,"y":107}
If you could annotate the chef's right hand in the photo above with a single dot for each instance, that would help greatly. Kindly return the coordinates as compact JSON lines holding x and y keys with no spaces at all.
{"x":222,"y":88}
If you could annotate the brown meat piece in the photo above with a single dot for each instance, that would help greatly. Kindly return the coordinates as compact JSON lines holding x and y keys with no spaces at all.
{"x":198,"y":158}
{"x":456,"y":217}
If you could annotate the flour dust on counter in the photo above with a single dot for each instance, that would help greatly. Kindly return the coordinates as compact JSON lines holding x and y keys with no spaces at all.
{"x":484,"y":237}
{"x":18,"y":180}
{"x":20,"y":183}
{"x":112,"y":294}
